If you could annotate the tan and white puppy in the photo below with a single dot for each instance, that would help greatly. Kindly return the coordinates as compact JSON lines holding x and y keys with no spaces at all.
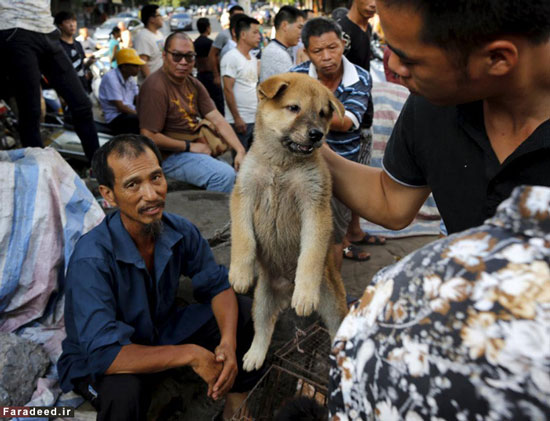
{"x":280,"y":211}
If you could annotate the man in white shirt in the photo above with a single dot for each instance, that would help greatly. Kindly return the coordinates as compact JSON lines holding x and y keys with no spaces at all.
{"x":149,"y":41}
{"x":277,"y":57}
{"x":118,"y":93}
{"x":239,"y":70}
{"x":29,"y":47}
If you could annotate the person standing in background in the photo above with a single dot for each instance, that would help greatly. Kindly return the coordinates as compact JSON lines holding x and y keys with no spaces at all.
{"x":149,"y":41}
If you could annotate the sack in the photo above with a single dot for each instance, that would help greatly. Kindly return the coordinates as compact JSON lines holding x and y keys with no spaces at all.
{"x":206,"y":133}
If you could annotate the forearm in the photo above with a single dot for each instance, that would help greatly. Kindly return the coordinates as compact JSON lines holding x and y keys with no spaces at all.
{"x":214,"y":61}
{"x":231,"y":103}
{"x":225,"y":308}
{"x":375,"y":197}
{"x":145,"y":70}
{"x":125,"y":109}
{"x":135,"y":358}
{"x":340,"y":124}
{"x":164,"y":142}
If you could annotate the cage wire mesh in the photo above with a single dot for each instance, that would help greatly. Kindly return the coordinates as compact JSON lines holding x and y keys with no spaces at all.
{"x":300,"y":368}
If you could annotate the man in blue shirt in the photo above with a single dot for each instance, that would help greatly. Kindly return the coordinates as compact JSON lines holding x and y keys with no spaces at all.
{"x":121,"y":316}
{"x":118,"y":93}
{"x":352,"y":85}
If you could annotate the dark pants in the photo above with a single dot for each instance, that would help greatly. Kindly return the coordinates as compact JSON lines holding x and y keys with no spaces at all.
{"x":125,"y":123}
{"x":247,"y":137}
{"x":128,"y":396}
{"x":215,"y":91}
{"x":26,"y":55}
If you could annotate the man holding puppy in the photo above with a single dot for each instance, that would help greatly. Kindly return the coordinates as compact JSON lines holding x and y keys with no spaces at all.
{"x":121,"y":315}
{"x":477,"y":123}
{"x":176,"y":111}
{"x":351,"y":84}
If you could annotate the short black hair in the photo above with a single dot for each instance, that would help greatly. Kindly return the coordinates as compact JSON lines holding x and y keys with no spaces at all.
{"x":287,"y":14}
{"x":318,"y":26}
{"x":244,"y":24}
{"x":460,"y":26}
{"x":148,"y":11}
{"x":62,"y":17}
{"x":235,"y":8}
{"x":176,"y":34}
{"x":132,"y":145}
{"x":202,"y":25}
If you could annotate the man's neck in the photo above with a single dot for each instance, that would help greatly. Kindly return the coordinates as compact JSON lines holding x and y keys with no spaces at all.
{"x":244,"y":49}
{"x":152,"y":28}
{"x":67,"y":38}
{"x":281,"y":39}
{"x":356,"y":18}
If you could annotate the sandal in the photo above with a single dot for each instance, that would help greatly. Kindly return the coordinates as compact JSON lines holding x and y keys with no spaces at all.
{"x":371,"y":240}
{"x":354,"y":253}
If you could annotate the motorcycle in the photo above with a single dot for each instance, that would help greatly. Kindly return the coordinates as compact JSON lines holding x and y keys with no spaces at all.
{"x":9,"y":135}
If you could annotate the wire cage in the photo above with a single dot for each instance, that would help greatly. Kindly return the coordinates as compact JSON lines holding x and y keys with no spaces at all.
{"x":300,"y":369}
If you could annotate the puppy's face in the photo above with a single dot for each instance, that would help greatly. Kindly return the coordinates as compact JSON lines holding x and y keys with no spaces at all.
{"x":295,"y":111}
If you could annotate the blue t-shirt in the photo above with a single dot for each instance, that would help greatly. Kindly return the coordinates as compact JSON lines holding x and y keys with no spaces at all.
{"x":111,"y":299}
{"x":113,"y":44}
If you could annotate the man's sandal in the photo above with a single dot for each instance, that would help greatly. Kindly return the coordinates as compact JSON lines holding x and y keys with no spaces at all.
{"x":354,"y":253}
{"x":370,"y":240}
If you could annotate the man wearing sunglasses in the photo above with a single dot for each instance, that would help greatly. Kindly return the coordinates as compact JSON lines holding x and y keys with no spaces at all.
{"x":176,"y":111}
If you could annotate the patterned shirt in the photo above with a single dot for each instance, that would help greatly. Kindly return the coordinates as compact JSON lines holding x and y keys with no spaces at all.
{"x":458,"y":330}
{"x":32,"y":15}
{"x":353,"y":92}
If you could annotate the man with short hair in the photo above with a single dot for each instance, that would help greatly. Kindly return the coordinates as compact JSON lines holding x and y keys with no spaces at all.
{"x":121,"y":316}
{"x":352,"y":85}
{"x":176,"y":111}
{"x":277,"y":57}
{"x":204,"y":67}
{"x":88,"y":43}
{"x":477,"y":123}
{"x":221,"y":39}
{"x":149,"y":41}
{"x":239,"y":70}
{"x":66,"y":23}
{"x":118,"y":93}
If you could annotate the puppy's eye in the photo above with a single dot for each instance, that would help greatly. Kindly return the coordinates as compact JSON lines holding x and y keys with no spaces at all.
{"x":322,"y":114}
{"x":293,"y":108}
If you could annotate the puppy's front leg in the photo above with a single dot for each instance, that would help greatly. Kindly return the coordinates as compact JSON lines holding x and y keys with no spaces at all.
{"x":314,"y":244}
{"x":243,"y":242}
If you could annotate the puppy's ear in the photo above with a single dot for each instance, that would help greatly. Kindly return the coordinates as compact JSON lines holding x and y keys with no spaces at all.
{"x":272,"y":87}
{"x":336,"y":106}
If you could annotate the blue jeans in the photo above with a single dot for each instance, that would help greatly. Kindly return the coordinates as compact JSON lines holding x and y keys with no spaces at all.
{"x":200,"y":170}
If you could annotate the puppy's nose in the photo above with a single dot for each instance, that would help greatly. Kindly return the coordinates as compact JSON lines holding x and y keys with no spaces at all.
{"x":315,"y":135}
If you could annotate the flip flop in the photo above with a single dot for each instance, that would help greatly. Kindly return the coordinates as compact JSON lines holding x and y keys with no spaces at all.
{"x":371,"y":240}
{"x":355,"y":253}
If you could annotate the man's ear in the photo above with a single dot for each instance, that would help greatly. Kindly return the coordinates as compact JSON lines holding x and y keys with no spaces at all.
{"x":272,"y":87}
{"x":108,"y":195}
{"x":500,"y":57}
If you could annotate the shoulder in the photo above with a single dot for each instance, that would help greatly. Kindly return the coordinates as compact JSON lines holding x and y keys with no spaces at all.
{"x":301,"y":68}
{"x":95,"y":244}
{"x":154,"y":82}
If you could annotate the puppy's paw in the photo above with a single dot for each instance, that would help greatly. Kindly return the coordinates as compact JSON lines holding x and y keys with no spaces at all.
{"x":304,"y":301}
{"x":241,"y":278}
{"x":254,"y":358}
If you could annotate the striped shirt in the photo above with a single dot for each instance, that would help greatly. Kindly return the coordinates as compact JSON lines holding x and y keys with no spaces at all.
{"x":353,"y":92}
{"x":32,"y":15}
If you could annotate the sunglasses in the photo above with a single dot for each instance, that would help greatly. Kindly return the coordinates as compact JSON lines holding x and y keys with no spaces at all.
{"x":189,"y":57}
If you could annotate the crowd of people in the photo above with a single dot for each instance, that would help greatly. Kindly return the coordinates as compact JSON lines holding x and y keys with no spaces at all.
{"x":458,"y":330}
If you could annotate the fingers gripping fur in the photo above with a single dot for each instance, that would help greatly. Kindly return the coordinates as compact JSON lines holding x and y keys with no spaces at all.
{"x":243,"y":244}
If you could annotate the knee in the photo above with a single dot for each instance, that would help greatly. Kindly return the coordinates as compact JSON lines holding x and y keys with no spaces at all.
{"x":119,"y":393}
{"x":223,"y":180}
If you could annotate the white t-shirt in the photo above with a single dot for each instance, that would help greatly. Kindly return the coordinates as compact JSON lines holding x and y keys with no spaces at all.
{"x":245,"y":73}
{"x":150,"y":44}
{"x":32,"y":15}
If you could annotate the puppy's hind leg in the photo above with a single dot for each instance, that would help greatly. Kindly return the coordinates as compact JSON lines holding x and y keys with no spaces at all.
{"x":268,"y":304}
{"x":332,"y":306}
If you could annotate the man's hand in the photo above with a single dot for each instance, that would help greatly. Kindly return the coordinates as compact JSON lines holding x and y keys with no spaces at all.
{"x":238,"y":160}
{"x":240,"y":125}
{"x":199,"y":147}
{"x":217,"y":80}
{"x":225,"y":354}
{"x":205,"y":364}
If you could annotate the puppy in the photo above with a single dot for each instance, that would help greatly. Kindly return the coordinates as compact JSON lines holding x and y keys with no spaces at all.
{"x":280,"y":211}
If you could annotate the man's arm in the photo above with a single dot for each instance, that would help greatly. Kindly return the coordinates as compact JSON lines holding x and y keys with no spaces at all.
{"x":167,"y":143}
{"x":145,"y":68}
{"x":377,"y":197}
{"x":225,"y":308}
{"x":340,"y":124}
{"x":225,"y":130}
{"x":228,"y":84}
{"x":120,"y":106}
{"x":214,"y":61}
